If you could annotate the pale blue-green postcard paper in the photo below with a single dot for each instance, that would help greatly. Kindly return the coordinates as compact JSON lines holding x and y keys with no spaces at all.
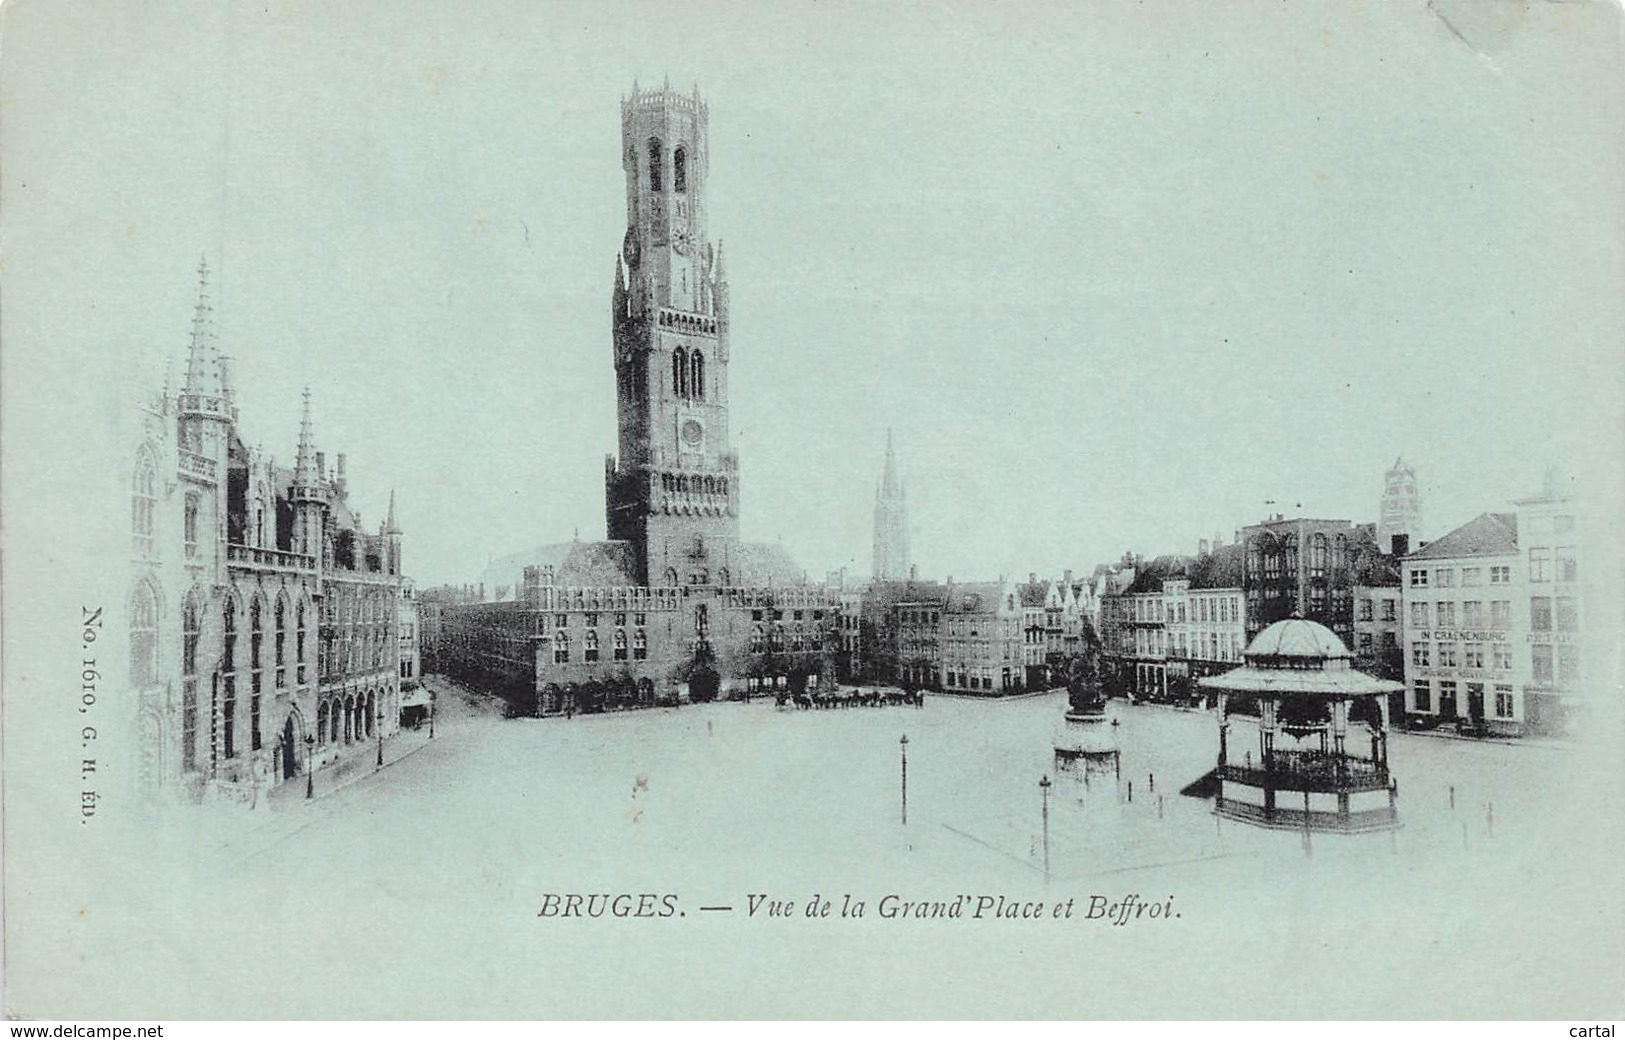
{"x":812,"y":510}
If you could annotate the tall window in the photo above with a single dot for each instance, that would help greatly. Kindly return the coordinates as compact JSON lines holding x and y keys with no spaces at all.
{"x":256,"y":638}
{"x":143,"y":505}
{"x":1541,"y":654}
{"x":193,"y":504}
{"x":696,"y":387}
{"x":1419,"y":615}
{"x":1500,"y":613}
{"x":1568,"y":614}
{"x":279,"y":640}
{"x":190,"y":632}
{"x":299,"y":642}
{"x":1317,"y":555}
{"x":228,"y":666}
{"x":321,"y":723}
{"x":1501,"y":656}
{"x":679,"y":372}
{"x":561,"y":647}
{"x":679,"y":169}
{"x":1422,"y":695}
{"x":640,"y":645}
{"x":1540,"y":562}
{"x":1503,"y":702}
{"x":620,"y":644}
{"x":1568,"y":567}
{"x":1472,"y":614}
{"x":1540,"y":613}
{"x":590,"y":645}
{"x":1447,"y":615}
{"x":654,"y":164}
{"x":143,"y":637}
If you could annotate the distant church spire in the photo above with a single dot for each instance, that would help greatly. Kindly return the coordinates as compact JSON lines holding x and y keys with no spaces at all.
{"x":891,"y":556}
{"x":390,"y":527}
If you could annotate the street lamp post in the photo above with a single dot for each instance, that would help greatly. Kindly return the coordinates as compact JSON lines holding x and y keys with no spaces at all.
{"x":378,"y":722}
{"x":904,"y":745}
{"x":431,"y":712}
{"x":310,"y":766}
{"x":1043,"y":787}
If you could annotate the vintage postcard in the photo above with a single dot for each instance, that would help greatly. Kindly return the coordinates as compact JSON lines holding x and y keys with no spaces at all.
{"x":812,"y":511}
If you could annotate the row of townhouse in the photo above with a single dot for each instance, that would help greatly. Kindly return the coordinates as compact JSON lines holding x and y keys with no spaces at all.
{"x":988,"y":638}
{"x":1175,"y":619}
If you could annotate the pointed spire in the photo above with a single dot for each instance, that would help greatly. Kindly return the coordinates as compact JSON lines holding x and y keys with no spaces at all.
{"x":889,"y":482}
{"x":722,"y":272}
{"x":203,"y":357}
{"x":304,"y":466}
{"x":390,"y":527}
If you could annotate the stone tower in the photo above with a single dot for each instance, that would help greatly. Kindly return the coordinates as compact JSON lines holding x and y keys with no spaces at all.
{"x":673,"y":492}
{"x":891,"y":562}
{"x":1401,"y":506}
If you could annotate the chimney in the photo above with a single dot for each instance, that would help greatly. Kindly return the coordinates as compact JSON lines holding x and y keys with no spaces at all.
{"x":1066,"y":576}
{"x":1400,"y":544}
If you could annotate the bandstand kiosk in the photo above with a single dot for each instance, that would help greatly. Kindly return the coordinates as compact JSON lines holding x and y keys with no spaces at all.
{"x":1298,"y":674}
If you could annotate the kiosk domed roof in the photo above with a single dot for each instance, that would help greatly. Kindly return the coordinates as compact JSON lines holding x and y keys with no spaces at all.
{"x":1296,"y":637}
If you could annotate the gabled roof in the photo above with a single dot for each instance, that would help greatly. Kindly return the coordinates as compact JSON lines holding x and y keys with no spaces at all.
{"x":1033,"y":593}
{"x":1149,"y":578}
{"x":1488,"y":534}
{"x":579,"y":564}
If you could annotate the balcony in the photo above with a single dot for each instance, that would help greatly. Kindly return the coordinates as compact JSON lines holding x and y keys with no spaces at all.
{"x":194,"y":465}
{"x":1310,"y":771}
{"x":270,"y":559}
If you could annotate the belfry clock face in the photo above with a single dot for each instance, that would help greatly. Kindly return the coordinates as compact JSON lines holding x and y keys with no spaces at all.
{"x":683,"y":240}
{"x":692,"y":433}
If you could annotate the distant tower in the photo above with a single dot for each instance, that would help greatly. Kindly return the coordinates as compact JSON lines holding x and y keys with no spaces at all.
{"x":891,"y":523}
{"x":673,"y":492}
{"x":1401,"y":506}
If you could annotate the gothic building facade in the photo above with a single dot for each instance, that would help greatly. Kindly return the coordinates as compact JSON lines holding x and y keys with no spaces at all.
{"x":263,"y":624}
{"x":673,"y":602}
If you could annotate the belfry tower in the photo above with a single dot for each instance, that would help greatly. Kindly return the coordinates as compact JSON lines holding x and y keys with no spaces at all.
{"x":891,"y":562}
{"x":673,"y":492}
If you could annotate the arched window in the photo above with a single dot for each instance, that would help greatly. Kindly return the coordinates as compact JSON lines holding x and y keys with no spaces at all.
{"x":1318,"y":552}
{"x":590,"y":645}
{"x":679,"y":169}
{"x":640,"y":645}
{"x":670,"y":576}
{"x":679,"y":372}
{"x":299,"y":641}
{"x":723,"y":578}
{"x":561,"y":647}
{"x":279,"y":641}
{"x":191,"y":625}
{"x":143,"y":505}
{"x":193,"y":504}
{"x":349,"y":719}
{"x":143,"y":637}
{"x":333,"y":722}
{"x":321,"y":723}
{"x":697,"y":384}
{"x":620,"y":644}
{"x":654,"y":164}
{"x":371,"y":712}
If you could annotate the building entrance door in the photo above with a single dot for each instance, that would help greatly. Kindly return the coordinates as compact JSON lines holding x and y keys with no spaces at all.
{"x":1447,"y":700}
{"x":1475,"y":701}
{"x":290,"y":761}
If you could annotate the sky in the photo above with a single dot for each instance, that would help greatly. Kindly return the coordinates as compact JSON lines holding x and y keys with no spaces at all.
{"x":1118,"y":276}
